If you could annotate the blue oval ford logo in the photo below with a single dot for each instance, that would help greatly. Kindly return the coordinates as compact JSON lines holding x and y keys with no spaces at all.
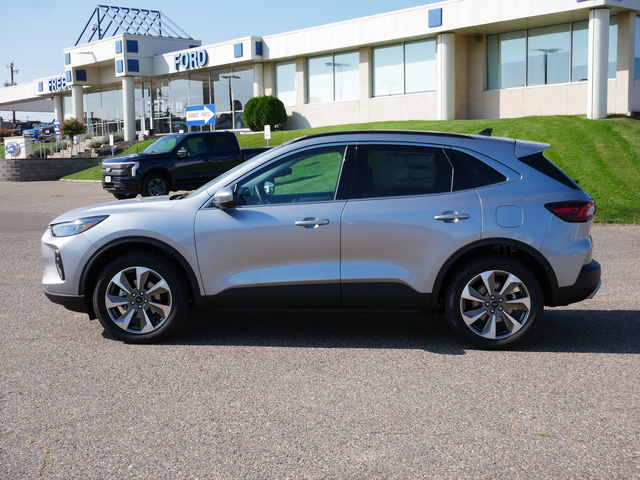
{"x":12,"y":148}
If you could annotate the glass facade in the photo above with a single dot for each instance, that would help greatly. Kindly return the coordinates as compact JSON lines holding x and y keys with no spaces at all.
{"x":404,"y":68}
{"x":286,"y":82}
{"x":333,"y":78}
{"x":544,"y":56}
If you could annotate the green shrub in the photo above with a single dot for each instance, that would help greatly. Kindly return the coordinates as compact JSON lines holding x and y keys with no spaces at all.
{"x":265,"y":110}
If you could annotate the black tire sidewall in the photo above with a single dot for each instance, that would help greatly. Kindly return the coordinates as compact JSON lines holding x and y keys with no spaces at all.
{"x":177,"y":285}
{"x":154,"y":176}
{"x":466,"y":274}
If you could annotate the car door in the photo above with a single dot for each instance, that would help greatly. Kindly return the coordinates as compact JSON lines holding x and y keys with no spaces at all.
{"x":191,"y":166}
{"x":403,"y":220}
{"x":280,"y":245}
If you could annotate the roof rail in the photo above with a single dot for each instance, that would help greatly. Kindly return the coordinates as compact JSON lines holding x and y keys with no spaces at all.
{"x":403,"y":132}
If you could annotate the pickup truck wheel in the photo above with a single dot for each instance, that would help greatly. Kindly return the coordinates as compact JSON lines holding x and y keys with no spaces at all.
{"x":124,"y":196}
{"x":155,"y":184}
{"x":140,"y":298}
{"x":494,"y":303}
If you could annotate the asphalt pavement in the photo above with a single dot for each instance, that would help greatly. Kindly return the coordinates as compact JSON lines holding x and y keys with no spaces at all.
{"x":310,"y":396}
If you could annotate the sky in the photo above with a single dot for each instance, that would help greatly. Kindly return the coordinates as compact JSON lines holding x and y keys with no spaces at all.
{"x":34,"y":33}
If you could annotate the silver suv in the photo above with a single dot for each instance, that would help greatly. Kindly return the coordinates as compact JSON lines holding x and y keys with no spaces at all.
{"x":486,"y":228}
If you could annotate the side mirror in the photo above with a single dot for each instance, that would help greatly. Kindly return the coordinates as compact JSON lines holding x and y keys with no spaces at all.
{"x":182,"y":153}
{"x":225,"y":198}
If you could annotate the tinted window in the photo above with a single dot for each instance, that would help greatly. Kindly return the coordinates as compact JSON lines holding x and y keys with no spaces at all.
{"x":400,"y":170}
{"x":474,"y":173}
{"x":542,"y":164}
{"x":224,"y":143}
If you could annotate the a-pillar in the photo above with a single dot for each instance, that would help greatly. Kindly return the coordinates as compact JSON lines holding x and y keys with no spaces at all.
{"x":598,"y":77}
{"x":57,"y":108}
{"x":129,"y":108}
{"x":77,"y":102}
{"x":446,"y":76}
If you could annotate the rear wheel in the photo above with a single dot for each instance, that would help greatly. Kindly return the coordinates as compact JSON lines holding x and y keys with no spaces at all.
{"x":139,"y":298}
{"x":155,"y":184}
{"x":494,"y":302}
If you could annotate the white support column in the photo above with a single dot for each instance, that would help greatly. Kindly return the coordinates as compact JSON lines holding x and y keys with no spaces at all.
{"x":597,"y":84}
{"x":57,"y":108}
{"x":258,"y":80}
{"x":129,"y":108}
{"x":77,"y":102}
{"x":446,"y":76}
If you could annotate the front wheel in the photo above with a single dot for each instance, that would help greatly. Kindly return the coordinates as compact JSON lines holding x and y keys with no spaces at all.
{"x":139,"y":298}
{"x":155,"y":184}
{"x":494,"y":303}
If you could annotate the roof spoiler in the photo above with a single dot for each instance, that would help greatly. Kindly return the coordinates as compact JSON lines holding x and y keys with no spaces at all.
{"x":486,"y":132}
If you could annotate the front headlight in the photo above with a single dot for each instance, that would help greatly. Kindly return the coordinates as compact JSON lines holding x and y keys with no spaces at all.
{"x":74,"y":227}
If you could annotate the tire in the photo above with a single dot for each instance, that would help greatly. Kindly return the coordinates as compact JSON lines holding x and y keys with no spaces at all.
{"x":139,"y":298}
{"x":124,"y":196}
{"x":494,"y":303}
{"x":155,"y":184}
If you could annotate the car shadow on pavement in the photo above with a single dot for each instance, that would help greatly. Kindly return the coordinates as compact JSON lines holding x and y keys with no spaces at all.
{"x":588,"y":331}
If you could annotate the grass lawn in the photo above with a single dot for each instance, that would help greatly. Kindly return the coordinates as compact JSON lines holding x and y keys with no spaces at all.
{"x":603,"y":155}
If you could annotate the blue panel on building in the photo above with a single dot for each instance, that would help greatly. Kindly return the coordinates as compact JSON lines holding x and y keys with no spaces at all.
{"x":119,"y":66}
{"x":132,"y":46}
{"x":133,"y":65}
{"x":237,"y":50}
{"x":67,"y":76}
{"x":258,"y":48}
{"x":81,"y":75}
{"x":67,"y":59}
{"x":435,"y":17}
{"x":40,"y":87}
{"x":118,"y":46}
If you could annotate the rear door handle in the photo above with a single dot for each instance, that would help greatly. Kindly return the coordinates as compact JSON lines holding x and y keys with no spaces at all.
{"x":451,"y":216}
{"x":312,"y":222}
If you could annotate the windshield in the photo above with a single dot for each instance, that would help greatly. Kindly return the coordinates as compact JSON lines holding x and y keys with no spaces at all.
{"x":162,"y":145}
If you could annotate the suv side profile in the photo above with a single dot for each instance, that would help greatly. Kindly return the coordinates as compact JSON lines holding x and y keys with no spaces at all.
{"x":486,"y":228}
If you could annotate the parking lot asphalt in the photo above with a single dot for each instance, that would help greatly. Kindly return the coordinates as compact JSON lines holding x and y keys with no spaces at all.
{"x":310,"y":395}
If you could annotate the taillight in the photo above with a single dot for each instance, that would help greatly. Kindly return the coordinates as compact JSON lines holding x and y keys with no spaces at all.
{"x":574,"y":211}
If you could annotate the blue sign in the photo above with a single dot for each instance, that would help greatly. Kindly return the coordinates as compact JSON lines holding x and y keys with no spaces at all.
{"x":201,"y":114}
{"x":56,"y":127}
{"x":12,"y":148}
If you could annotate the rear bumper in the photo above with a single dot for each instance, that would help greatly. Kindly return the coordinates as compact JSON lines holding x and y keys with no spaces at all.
{"x":586,"y":286}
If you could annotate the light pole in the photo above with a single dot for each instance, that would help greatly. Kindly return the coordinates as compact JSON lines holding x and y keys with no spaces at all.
{"x":231,"y":106}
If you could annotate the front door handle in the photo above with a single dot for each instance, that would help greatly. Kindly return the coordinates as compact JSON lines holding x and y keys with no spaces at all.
{"x":451,"y":217}
{"x":312,"y":222}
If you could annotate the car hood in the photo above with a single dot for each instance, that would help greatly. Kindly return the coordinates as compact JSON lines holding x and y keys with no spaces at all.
{"x":134,"y":157}
{"x":147,"y":205}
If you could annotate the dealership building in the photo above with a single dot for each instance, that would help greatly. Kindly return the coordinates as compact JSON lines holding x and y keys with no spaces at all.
{"x":134,"y":70}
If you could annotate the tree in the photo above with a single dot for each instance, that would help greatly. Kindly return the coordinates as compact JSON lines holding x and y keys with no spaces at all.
{"x":72,"y":127}
{"x":265,"y":110}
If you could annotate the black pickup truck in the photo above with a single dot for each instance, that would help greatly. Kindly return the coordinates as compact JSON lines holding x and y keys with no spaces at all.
{"x":181,"y":161}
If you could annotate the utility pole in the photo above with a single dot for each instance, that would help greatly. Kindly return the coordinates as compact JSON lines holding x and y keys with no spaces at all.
{"x":13,"y":70}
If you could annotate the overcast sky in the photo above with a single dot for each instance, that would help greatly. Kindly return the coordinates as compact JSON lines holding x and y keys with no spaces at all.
{"x":34,"y":33}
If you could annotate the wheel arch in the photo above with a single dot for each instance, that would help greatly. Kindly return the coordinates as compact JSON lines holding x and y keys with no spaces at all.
{"x":522,"y":252}
{"x":158,"y":169}
{"x":121,"y":246}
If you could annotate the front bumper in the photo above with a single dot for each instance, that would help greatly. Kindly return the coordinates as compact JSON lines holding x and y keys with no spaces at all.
{"x":586,"y":286}
{"x":121,"y":184}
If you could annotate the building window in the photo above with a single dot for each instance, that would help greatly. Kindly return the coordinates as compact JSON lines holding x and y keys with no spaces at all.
{"x":333,"y":78}
{"x":405,"y":68}
{"x":286,"y":82}
{"x":549,"y":55}
{"x":544,"y":56}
